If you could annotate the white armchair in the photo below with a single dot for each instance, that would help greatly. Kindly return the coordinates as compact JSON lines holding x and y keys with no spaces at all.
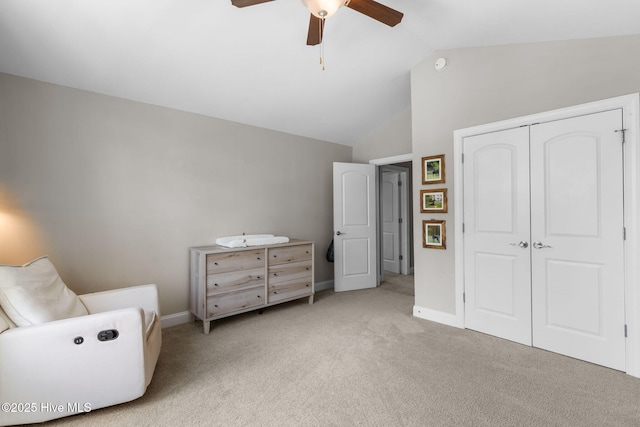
{"x":78,"y":364}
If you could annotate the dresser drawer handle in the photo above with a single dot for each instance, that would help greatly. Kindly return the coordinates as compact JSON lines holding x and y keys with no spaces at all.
{"x":215,"y":284}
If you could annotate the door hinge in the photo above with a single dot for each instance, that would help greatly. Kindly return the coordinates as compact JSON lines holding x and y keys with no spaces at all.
{"x":464,"y":297}
{"x":462,"y":157}
{"x":623,"y":131}
{"x":624,"y":233}
{"x":400,"y":220}
{"x":625,"y":331}
{"x":463,"y":227}
{"x":399,"y":183}
{"x":401,"y":257}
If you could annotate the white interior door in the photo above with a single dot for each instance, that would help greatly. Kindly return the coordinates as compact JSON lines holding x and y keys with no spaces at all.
{"x":577,"y":238}
{"x":390,"y":201}
{"x":497,"y":266}
{"x":355,"y":228}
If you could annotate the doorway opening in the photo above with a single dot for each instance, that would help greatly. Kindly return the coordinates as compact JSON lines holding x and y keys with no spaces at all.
{"x":395,"y":220}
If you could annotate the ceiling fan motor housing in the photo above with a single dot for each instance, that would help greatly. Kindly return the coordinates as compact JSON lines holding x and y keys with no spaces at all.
{"x":323,"y":8}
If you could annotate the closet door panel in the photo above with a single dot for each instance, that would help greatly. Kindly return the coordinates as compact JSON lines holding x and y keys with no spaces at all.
{"x":572,"y":197}
{"x":586,"y":281}
{"x":577,"y":235}
{"x":496,"y":237}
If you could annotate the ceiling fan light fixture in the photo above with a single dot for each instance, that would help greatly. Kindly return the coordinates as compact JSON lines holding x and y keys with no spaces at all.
{"x":323,"y":8}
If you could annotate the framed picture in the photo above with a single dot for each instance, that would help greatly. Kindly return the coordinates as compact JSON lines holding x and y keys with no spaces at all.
{"x":433,"y":169}
{"x":434,"y":234}
{"x":433,"y":201}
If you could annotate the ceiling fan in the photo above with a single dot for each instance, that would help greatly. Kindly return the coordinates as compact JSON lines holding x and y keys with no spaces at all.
{"x":322,"y":9}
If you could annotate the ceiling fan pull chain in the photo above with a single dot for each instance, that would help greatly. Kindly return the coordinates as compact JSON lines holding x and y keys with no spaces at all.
{"x":320,"y":30}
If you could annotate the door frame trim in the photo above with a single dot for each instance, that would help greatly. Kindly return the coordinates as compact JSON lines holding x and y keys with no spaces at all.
{"x":630,"y":105}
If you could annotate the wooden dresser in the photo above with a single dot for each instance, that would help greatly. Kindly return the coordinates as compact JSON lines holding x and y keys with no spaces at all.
{"x":225,"y":281}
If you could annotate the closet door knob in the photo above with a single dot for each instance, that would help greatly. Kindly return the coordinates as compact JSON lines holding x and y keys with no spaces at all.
{"x":523,"y":244}
{"x":540,"y":245}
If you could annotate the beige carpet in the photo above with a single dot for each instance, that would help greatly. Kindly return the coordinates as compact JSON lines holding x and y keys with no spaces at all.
{"x":360,"y":358}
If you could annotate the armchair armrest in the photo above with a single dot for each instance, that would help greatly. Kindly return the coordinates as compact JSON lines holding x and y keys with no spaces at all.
{"x":36,"y":359}
{"x":143,"y":296}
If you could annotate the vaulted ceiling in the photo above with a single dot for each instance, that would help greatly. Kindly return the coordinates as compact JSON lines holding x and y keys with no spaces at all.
{"x":252,"y":65}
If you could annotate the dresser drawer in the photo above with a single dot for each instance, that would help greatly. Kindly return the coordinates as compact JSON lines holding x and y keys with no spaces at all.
{"x":285,"y":272}
{"x":235,"y":301}
{"x":234,"y":261}
{"x":234,"y":280}
{"x":289,"y":290}
{"x":289,"y":254}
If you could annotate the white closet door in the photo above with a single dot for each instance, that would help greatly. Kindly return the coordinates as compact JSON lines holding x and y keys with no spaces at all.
{"x":496,"y":237}
{"x":577,"y":238}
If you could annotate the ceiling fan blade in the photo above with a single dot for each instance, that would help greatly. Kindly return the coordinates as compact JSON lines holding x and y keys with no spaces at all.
{"x":377,"y":11}
{"x":245,"y":3}
{"x":316,"y":30}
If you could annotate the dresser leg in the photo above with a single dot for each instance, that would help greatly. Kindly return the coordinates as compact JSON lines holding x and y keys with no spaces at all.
{"x":206,"y":325}
{"x":311,"y":299}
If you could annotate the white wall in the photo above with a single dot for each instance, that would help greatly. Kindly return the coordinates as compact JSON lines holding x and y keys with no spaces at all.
{"x":487,"y":84}
{"x":389,"y":139}
{"x":116,"y":191}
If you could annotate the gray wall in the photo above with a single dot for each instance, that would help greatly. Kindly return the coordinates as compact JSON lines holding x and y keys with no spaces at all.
{"x":488,"y":84}
{"x":116,"y":191}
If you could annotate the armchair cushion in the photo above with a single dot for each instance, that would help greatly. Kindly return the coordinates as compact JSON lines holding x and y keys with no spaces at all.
{"x":4,"y":325}
{"x":34,"y":293}
{"x":5,"y":322}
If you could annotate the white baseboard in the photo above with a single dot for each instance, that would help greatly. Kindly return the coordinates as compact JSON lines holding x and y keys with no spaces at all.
{"x":437,"y":316}
{"x":175,"y":319}
{"x":185,"y":316}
